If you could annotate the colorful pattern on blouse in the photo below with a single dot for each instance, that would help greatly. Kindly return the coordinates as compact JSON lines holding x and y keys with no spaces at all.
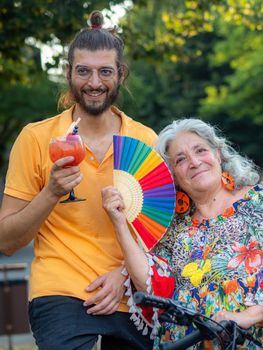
{"x":218,"y":263}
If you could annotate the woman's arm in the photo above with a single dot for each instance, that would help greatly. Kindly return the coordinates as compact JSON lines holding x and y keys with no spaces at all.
{"x":136,"y":261}
{"x":149,"y":273}
{"x":245,"y":319}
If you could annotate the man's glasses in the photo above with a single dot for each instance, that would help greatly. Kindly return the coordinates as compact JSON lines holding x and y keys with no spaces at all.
{"x":104,"y":73}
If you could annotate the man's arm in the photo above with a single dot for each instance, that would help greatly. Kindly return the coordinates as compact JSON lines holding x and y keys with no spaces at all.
{"x":20,"y":220}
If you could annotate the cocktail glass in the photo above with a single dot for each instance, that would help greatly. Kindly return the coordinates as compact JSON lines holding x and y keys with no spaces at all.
{"x":65,"y":146}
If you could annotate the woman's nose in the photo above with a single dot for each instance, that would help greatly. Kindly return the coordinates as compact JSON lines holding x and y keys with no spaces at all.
{"x":194,"y":160}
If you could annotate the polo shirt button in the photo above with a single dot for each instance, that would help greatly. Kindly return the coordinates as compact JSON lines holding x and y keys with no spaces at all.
{"x":91,"y":158}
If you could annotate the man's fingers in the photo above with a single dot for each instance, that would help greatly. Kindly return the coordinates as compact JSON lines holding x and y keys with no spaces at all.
{"x":105,"y":307}
{"x":70,"y":181}
{"x":60,"y":163}
{"x":96,"y":284}
{"x":101,"y":295}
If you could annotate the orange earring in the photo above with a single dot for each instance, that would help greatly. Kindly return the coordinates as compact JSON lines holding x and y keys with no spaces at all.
{"x":228,"y":181}
{"x":182,"y":202}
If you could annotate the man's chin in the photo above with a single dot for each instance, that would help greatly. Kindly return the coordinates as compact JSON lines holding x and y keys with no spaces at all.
{"x":95,"y":110}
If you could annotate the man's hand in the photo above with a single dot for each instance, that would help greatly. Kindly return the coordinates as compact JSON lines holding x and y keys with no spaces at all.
{"x":111,"y":291}
{"x":62,"y":178}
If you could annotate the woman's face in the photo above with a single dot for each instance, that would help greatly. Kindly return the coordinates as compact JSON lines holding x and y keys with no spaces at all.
{"x":196,"y":167}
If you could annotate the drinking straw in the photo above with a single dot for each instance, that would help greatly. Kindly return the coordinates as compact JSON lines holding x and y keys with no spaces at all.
{"x":72,"y":125}
{"x":75,"y":130}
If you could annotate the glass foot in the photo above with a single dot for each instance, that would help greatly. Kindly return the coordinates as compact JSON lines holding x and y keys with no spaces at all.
{"x":72,"y":198}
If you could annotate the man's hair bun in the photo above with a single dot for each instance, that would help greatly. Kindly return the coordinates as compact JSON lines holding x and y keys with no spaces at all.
{"x":96,"y":20}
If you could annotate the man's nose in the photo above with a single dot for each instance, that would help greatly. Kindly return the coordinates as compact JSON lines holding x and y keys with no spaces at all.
{"x":94,"y":80}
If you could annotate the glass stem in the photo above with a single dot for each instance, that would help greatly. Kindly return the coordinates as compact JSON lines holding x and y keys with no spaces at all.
{"x":72,"y":196}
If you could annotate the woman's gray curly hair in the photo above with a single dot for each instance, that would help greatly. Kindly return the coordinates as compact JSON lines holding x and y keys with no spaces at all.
{"x":244,"y":171}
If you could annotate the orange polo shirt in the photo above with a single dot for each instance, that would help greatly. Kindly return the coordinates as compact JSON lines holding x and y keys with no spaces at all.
{"x":77,"y":242}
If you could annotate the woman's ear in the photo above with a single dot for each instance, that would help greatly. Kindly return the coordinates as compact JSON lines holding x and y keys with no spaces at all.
{"x":219,"y":156}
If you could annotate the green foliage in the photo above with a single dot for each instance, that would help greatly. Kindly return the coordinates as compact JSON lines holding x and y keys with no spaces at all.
{"x":188,"y":58}
{"x":240,"y":93}
{"x":235,"y":102}
{"x":206,"y":61}
{"x":40,"y":21}
{"x":26,"y":92}
{"x":21,"y":104}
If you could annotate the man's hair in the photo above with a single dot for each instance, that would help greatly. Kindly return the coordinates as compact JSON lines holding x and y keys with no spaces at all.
{"x":94,"y":37}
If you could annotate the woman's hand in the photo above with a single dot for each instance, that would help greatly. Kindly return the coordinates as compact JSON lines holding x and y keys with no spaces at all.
{"x":245,"y":319}
{"x":112,"y":202}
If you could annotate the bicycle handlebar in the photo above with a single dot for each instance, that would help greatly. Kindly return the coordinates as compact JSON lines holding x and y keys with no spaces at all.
{"x":159,"y":302}
{"x":184,"y":343}
{"x":184,"y":316}
{"x":207,"y":331}
{"x":151,"y":300}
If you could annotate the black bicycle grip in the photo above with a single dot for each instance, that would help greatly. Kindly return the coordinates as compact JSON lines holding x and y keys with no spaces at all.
{"x":152,"y":300}
{"x":184,"y":343}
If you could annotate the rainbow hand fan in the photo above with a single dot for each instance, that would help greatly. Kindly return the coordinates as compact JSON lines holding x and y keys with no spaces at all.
{"x":147,"y":187}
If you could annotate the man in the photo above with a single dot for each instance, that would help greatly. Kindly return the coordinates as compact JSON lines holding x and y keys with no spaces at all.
{"x":74,"y":243}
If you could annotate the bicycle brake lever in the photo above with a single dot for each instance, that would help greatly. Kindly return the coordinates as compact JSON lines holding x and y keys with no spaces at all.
{"x":245,"y":334}
{"x":179,"y":316}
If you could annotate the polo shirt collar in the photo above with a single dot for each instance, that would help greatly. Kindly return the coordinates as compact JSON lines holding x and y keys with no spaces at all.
{"x":67,"y":119}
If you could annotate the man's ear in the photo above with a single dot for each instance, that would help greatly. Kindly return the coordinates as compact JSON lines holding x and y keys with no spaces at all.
{"x":68,"y":72}
{"x":123,"y":71}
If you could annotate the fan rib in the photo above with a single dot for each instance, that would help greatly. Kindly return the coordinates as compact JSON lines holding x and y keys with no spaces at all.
{"x":152,"y":161}
{"x":139,"y":156}
{"x":166,"y":191}
{"x":162,"y":217}
{"x":151,"y":225}
{"x":161,"y":203}
{"x":148,"y":240}
{"x":127,"y":155}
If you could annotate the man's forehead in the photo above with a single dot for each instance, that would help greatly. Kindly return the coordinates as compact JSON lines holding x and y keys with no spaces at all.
{"x":97,"y":57}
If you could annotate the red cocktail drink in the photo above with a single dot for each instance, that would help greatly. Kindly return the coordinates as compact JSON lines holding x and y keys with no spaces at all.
{"x":66,"y":146}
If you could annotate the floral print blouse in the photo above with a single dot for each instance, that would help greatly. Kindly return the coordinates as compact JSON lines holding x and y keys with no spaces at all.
{"x":217,"y":264}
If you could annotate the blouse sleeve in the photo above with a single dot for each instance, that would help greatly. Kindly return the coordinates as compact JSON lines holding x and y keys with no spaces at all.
{"x":160,"y":282}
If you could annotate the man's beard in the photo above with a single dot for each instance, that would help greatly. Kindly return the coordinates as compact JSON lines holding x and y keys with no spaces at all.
{"x":95,"y":109}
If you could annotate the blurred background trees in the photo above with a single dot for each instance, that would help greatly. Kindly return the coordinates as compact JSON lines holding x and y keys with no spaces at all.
{"x":199,"y":58}
{"x":191,"y":58}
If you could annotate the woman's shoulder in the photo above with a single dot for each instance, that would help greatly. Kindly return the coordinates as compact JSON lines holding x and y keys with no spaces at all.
{"x":255,"y":195}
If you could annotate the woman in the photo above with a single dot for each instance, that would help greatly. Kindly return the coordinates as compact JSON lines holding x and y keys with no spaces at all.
{"x":212,"y":255}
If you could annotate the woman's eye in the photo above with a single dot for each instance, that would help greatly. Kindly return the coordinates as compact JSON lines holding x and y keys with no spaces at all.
{"x":179,"y":160}
{"x":200,"y":150}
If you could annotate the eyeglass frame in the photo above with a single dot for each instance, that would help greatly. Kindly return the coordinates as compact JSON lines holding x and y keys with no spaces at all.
{"x":88,"y":75}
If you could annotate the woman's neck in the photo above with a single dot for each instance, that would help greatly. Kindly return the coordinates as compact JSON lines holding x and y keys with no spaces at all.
{"x":215,"y":203}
